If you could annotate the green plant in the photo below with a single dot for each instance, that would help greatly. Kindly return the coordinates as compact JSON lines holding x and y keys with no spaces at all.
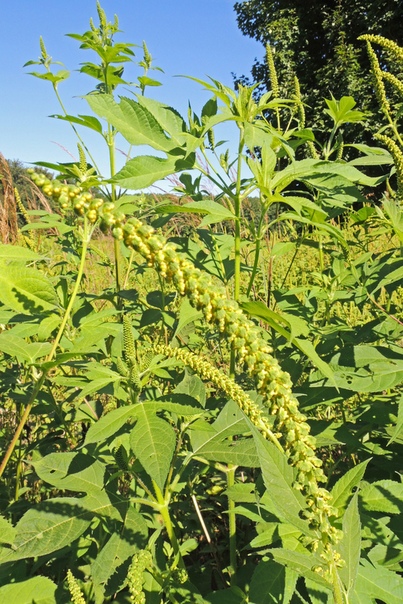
{"x":160,"y":450}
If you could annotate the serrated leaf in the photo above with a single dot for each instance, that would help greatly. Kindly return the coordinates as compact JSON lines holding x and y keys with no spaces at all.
{"x":26,"y":290}
{"x":109,"y":424}
{"x":300,"y":562}
{"x":278,"y":477}
{"x":383,"y":496}
{"x":132,"y":120}
{"x":17,"y":347}
{"x":350,"y":545}
{"x":16,"y":252}
{"x":380,"y":583}
{"x":153,"y":441}
{"x":37,"y":590}
{"x":120,"y":547}
{"x":75,"y":472}
{"x":7,"y":532}
{"x":142,"y":171}
{"x":270,"y":582}
{"x":343,"y":488}
{"x":48,"y":527}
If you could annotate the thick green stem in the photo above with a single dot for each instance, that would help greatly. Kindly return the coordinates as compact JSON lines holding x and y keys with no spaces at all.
{"x":169,"y":527}
{"x":232,"y":528}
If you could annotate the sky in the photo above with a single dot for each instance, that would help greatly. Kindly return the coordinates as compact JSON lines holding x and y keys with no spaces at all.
{"x":199,"y":38}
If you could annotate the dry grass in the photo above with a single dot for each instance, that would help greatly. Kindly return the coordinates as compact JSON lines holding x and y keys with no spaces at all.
{"x":8,"y":206}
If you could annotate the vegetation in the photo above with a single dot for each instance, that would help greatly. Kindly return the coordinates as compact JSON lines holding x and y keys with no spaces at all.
{"x":319,"y":43}
{"x":202,"y":394}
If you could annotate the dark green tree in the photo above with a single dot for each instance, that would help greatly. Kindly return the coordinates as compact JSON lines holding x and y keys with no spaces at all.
{"x":317,"y":42}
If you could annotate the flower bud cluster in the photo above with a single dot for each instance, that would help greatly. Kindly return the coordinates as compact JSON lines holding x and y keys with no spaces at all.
{"x":74,"y":589}
{"x":83,"y":203}
{"x":210,"y":373}
{"x":378,"y":79}
{"x":135,"y":579}
{"x":273,"y":384}
{"x":397,"y":156}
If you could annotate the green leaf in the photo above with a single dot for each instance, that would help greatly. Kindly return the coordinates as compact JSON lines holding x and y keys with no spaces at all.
{"x":88,"y":121}
{"x":367,"y":368}
{"x":277,"y":321}
{"x":109,"y":424}
{"x":215,"y":211}
{"x":153,"y":441}
{"x":132,"y":120}
{"x":26,"y":290}
{"x":75,"y":472}
{"x":17,"y":253}
{"x":399,"y":424}
{"x":300,"y":562}
{"x":350,"y":545}
{"x":17,"y":347}
{"x":343,"y":488}
{"x":378,"y":582}
{"x":278,"y":477}
{"x":37,"y":590}
{"x":120,"y":547}
{"x":7,"y":532}
{"x":269,"y":583}
{"x":383,"y":496}
{"x":48,"y":527}
{"x":318,"y":593}
{"x":342,"y":111}
{"x":141,"y":172}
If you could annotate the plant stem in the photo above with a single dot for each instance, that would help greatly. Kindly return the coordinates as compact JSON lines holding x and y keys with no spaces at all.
{"x":232,"y":527}
{"x":164,"y":510}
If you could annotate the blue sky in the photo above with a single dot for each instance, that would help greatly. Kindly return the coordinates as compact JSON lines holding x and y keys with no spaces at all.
{"x":198,"y":38}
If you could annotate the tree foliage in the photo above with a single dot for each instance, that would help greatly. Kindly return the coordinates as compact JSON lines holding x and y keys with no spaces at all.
{"x":317,"y":41}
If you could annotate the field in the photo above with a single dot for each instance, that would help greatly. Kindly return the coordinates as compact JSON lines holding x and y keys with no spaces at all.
{"x":201,"y":392}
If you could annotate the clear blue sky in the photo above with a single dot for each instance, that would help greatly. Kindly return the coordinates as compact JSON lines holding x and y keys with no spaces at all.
{"x":193,"y":37}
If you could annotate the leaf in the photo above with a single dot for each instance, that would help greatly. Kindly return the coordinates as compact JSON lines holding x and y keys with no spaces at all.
{"x":37,"y":590}
{"x":109,"y":424}
{"x":377,"y":582}
{"x":48,"y":527}
{"x":366,"y":368}
{"x":17,"y":253}
{"x":132,"y":120}
{"x":142,"y":171}
{"x":300,"y":562}
{"x":17,"y":347}
{"x":342,"y":111}
{"x":343,"y":488}
{"x":88,"y":121}
{"x":194,"y":387}
{"x":75,"y":472}
{"x":399,"y":424}
{"x":278,"y":477}
{"x":120,"y":547}
{"x":269,"y":583}
{"x":26,"y":290}
{"x":318,"y":593}
{"x":153,"y":441}
{"x":350,"y":545}
{"x":215,"y":211}
{"x":277,"y":321}
{"x":383,"y":496}
{"x":7,"y":532}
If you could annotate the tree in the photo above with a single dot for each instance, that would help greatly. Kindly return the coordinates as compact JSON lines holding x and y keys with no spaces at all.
{"x":317,"y":42}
